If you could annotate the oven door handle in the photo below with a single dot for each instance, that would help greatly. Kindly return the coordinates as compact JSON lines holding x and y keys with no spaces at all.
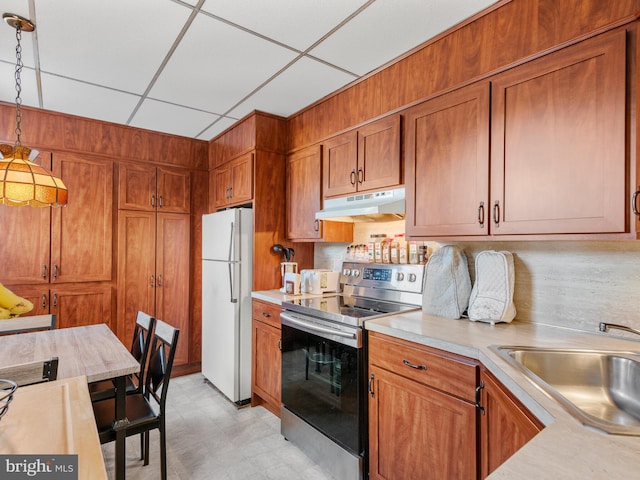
{"x":316,"y":328}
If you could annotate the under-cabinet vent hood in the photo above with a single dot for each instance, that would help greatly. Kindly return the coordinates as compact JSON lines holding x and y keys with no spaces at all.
{"x":384,"y":205}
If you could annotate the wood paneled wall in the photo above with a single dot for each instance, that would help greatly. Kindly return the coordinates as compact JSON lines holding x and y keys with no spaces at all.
{"x":256,"y":131}
{"x":57,"y":131}
{"x":508,"y":33}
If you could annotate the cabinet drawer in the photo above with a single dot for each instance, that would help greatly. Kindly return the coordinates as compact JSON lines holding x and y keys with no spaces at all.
{"x":438,"y":369}
{"x":266,"y":312}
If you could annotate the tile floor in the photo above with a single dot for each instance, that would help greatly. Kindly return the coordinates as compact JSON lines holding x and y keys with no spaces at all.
{"x":208,"y":438}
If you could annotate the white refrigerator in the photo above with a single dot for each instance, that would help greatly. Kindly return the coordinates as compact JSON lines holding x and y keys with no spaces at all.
{"x":227,"y":251}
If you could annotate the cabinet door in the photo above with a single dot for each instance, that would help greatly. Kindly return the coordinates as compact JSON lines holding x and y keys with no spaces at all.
{"x":137,"y":187}
{"x":81,"y":304}
{"x":242,"y":179}
{"x":558,"y":142}
{"x":505,"y":426}
{"x":266,"y":364}
{"x":222,"y":186}
{"x":136,"y":269}
{"x":418,"y":432}
{"x":303,"y":194}
{"x":379,"y":162}
{"x":24,"y":249}
{"x":81,"y":232}
{"x":173,"y":191}
{"x":339,"y":165}
{"x":447,"y":164}
{"x":172,"y":277}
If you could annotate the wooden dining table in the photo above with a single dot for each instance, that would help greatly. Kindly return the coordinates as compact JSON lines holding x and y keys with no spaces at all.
{"x":92,"y":351}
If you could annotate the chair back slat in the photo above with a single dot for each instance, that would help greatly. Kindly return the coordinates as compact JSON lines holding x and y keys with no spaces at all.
{"x":163,"y":350}
{"x":141,"y":345}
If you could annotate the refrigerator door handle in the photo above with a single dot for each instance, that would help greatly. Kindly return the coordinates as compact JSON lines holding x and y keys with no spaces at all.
{"x":233,"y":300}
{"x":231,"y":243}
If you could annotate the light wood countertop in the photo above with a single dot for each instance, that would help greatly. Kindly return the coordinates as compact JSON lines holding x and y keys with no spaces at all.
{"x":54,"y":418}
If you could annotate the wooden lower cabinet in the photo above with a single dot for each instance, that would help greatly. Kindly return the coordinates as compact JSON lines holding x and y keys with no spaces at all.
{"x":506,"y":424}
{"x":423,"y":417}
{"x":74,"y":304}
{"x":265,"y":371}
{"x":417,"y":430}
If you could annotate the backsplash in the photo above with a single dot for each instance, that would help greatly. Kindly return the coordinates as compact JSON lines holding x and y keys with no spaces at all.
{"x":564,"y":283}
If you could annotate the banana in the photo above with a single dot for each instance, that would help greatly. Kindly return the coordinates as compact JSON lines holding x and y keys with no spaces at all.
{"x":13,"y":303}
{"x":4,"y":313}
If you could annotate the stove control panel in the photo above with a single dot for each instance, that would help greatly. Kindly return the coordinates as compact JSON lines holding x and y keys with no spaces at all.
{"x":390,"y":276}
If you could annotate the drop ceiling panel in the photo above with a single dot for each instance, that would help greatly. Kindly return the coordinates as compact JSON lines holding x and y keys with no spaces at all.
{"x":297,"y":23}
{"x":216,"y":65}
{"x":168,"y":118}
{"x":29,"y":92}
{"x":284,"y":95}
{"x":8,"y":35}
{"x":116,"y":43}
{"x":388,"y":28}
{"x":86,"y":100}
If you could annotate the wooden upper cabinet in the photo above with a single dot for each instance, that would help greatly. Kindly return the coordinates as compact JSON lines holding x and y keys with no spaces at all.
{"x":304,"y":200}
{"x":505,"y":426}
{"x":447,"y":164}
{"x":362,"y":160}
{"x":233,"y":181}
{"x":379,"y":160}
{"x":173,"y":190}
{"x":303,"y":195}
{"x":339,"y":168}
{"x":81,"y":232}
{"x":147,"y":187}
{"x":558,"y":142}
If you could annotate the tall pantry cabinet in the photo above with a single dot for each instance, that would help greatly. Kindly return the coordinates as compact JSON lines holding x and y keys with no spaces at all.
{"x":60,"y":258}
{"x":153,"y":248}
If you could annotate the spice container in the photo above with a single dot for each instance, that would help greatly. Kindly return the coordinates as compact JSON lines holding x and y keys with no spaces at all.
{"x":413,"y":252}
{"x":377,"y":239}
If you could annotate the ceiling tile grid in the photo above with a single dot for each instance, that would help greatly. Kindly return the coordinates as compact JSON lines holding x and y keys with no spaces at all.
{"x":194,"y":67}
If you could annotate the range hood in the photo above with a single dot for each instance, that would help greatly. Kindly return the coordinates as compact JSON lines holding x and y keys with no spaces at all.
{"x":385,"y":205}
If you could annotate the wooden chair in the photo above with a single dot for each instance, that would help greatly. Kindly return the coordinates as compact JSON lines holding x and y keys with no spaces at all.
{"x":145,"y":411}
{"x":28,"y":324}
{"x":104,"y":389}
{"x":32,"y":372}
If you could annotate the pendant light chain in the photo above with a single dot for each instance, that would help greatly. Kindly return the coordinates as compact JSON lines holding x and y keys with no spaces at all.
{"x":19,"y":66}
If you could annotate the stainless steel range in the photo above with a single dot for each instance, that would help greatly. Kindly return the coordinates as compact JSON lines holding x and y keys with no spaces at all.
{"x":324,"y":362}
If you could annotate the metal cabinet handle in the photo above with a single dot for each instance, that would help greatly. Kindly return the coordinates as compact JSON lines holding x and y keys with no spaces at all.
{"x":352,"y":177}
{"x":316,"y":225}
{"x":160,"y":201}
{"x":265,"y":314}
{"x":153,"y":201}
{"x":360,"y":175}
{"x":159,"y":281}
{"x":44,"y":300}
{"x":370,"y":387}
{"x":280,"y":344}
{"x":496,"y":213}
{"x":481,"y":214}
{"x":44,"y":272}
{"x":55,"y":300}
{"x":413,"y":365}
{"x":634,"y":202}
{"x":55,"y":271}
{"x":230,"y":193}
{"x":478,"y":391}
{"x":152,"y":281}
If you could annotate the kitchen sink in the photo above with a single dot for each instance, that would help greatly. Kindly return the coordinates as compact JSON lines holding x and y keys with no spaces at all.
{"x":599,"y":388}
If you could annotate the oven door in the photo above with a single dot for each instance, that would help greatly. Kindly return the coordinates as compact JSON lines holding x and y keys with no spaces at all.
{"x":323,"y":377}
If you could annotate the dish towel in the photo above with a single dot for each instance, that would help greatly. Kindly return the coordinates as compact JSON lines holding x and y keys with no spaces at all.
{"x":447,"y":284}
{"x":492,"y":294}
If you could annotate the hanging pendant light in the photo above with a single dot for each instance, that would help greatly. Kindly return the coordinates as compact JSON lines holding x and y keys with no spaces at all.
{"x":23,"y":182}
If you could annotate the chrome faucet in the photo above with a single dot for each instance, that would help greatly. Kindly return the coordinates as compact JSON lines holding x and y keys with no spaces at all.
{"x":606,"y":326}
